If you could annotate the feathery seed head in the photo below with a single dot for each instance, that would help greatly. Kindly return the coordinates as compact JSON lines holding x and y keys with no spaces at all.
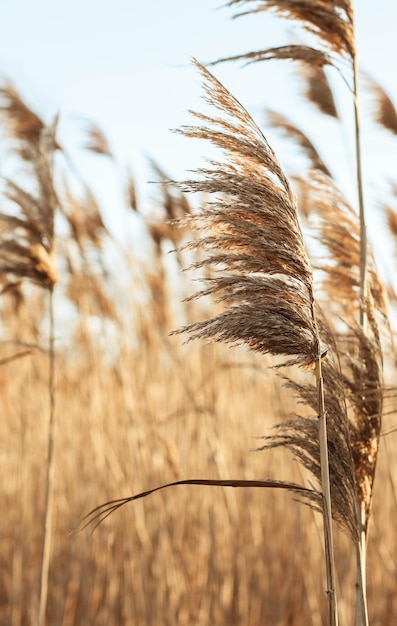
{"x":251,"y":237}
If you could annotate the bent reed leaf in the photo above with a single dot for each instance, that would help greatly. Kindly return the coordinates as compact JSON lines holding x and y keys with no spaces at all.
{"x":101,"y":512}
{"x":292,"y":52}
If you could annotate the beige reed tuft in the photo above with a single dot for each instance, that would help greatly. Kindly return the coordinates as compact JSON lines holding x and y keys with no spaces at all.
{"x":250,"y":232}
{"x":27,"y":229}
{"x":318,"y":90}
{"x":96,"y":141}
{"x":290,"y":130}
{"x":359,"y":353}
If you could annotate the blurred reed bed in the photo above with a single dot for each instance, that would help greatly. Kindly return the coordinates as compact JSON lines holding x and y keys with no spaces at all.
{"x":136,"y":409}
{"x":190,"y":555}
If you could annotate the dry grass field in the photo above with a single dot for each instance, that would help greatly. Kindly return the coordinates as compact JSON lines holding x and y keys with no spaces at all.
{"x":189,"y":555}
{"x":100,"y":402}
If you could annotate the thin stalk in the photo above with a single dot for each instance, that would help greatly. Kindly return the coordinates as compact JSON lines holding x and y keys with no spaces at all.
{"x":361,"y":618}
{"x":49,"y":488}
{"x":326,"y":499}
{"x":359,"y":176}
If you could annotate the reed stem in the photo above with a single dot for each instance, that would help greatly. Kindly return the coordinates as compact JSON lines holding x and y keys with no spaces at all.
{"x":326,"y":492}
{"x":359,"y":176}
{"x":49,"y":488}
{"x":361,"y":618}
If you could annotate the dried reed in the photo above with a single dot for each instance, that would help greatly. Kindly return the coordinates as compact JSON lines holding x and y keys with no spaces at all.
{"x":332,"y":23}
{"x":27,"y":252}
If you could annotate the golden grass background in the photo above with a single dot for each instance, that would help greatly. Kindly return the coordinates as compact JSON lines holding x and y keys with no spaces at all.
{"x":190,"y":555}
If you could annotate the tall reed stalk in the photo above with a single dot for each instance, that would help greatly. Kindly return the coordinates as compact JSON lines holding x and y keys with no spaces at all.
{"x":333,"y":25}
{"x":327,"y":501}
{"x":361,"y":598}
{"x":27,"y":252}
{"x":50,"y":470}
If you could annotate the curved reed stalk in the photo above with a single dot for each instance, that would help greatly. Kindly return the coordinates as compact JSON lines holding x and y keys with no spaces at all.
{"x":333,"y":25}
{"x":251,"y":239}
{"x":290,"y":130}
{"x":27,"y":252}
{"x":252,"y":233}
{"x":384,"y":110}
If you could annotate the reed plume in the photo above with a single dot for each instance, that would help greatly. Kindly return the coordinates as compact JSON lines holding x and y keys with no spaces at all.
{"x":173,"y":206}
{"x":338,"y":245}
{"x":332,"y":24}
{"x":299,"y":434}
{"x":331,"y":21}
{"x":251,"y":238}
{"x":27,"y":232}
{"x":22,"y":124}
{"x":318,"y":90}
{"x":253,"y":235}
{"x":130,"y":192}
{"x":384,"y":109}
{"x":96,"y":141}
{"x":84,"y":218}
{"x":292,"y":131}
{"x":295,"y":52}
{"x":360,"y":353}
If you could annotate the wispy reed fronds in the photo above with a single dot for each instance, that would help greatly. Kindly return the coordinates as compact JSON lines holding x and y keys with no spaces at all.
{"x":173,"y":206}
{"x":299,"y":434}
{"x":84,"y":217}
{"x":130,"y":193}
{"x":293,"y":132}
{"x":384,"y":109}
{"x":262,"y":277}
{"x":332,"y":22}
{"x":96,"y":141}
{"x":363,"y":382}
{"x":22,"y":124}
{"x":392,"y":220}
{"x":251,"y":232}
{"x":295,"y":52}
{"x":27,"y":251}
{"x":359,"y":351}
{"x":338,"y":232}
{"x":318,"y":90}
{"x":250,"y":237}
{"x":27,"y":233}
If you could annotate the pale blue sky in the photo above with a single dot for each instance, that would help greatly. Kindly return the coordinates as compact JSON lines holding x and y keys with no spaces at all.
{"x":126,"y":65}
